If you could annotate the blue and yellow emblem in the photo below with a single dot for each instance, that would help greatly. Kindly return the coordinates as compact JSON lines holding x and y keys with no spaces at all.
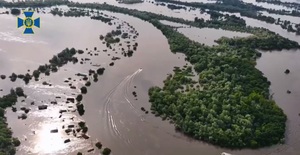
{"x":28,"y":22}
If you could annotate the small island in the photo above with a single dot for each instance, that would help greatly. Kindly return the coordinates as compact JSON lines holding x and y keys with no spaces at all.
{"x":130,"y":1}
{"x":231,"y":109}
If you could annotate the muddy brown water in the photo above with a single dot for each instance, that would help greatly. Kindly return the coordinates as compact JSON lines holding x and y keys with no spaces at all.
{"x":111,"y":112}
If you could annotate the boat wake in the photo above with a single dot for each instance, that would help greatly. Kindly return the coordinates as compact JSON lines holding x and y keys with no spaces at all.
{"x":110,"y":107}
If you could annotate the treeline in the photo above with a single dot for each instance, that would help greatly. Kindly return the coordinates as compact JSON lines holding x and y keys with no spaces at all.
{"x":130,"y":1}
{"x":219,"y":19}
{"x":236,"y":6}
{"x":101,"y":18}
{"x":289,"y":26}
{"x":232,"y":109}
{"x":7,"y":142}
{"x":278,"y":2}
{"x":200,"y":23}
{"x":283,"y":12}
{"x":272,"y":40}
{"x":258,"y":16}
{"x":62,"y":58}
{"x":69,"y":13}
{"x":175,"y":7}
{"x":73,"y":12}
{"x":232,"y":6}
{"x":263,"y":42}
{"x":33,"y":4}
{"x":232,"y":23}
{"x":76,"y":13}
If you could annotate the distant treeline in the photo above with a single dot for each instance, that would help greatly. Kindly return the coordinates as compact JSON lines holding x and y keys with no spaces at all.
{"x":278,"y":2}
{"x":233,"y":109}
{"x":236,"y":6}
{"x":229,"y":105}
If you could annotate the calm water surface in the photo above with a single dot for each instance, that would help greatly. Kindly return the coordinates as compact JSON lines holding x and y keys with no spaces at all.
{"x":112,"y":113}
{"x":205,"y":36}
{"x":267,"y":5}
{"x":152,"y":7}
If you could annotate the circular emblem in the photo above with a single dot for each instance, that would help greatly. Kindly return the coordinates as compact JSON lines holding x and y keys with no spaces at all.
{"x":28,"y":22}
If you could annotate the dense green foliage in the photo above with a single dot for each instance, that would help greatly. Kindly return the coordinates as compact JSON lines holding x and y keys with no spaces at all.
{"x":15,"y":11}
{"x":289,"y":26}
{"x":98,"y":145}
{"x":62,"y":58}
{"x":101,"y":18}
{"x":238,"y":6}
{"x":232,"y":6}
{"x":56,"y":11}
{"x":7,"y":142}
{"x":83,"y":90}
{"x":106,"y":151}
{"x":76,"y":13}
{"x":58,"y":60}
{"x":278,"y":2}
{"x":258,"y":16}
{"x":262,"y":41}
{"x":69,"y":13}
{"x":227,"y":22}
{"x":20,"y":91}
{"x":130,"y":1}
{"x":232,"y":108}
{"x":111,"y":38}
{"x":219,"y":18}
{"x":100,"y":71}
{"x":175,"y":7}
{"x":80,"y":109}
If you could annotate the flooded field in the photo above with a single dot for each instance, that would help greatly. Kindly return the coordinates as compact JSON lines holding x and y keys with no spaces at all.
{"x":208,"y":36}
{"x":112,"y":113}
{"x":268,"y":5}
{"x":151,"y":6}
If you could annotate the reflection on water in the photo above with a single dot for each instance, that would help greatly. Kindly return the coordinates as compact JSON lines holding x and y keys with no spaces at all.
{"x":25,"y":52}
{"x":113,"y":114}
{"x":13,"y":37}
{"x":49,"y":142}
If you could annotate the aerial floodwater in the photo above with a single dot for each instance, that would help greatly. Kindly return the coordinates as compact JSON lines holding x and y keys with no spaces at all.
{"x":151,"y":77}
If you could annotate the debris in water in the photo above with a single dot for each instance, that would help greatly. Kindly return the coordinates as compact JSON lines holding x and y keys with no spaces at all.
{"x":42,"y":107}
{"x":67,"y":141}
{"x":54,"y":131}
